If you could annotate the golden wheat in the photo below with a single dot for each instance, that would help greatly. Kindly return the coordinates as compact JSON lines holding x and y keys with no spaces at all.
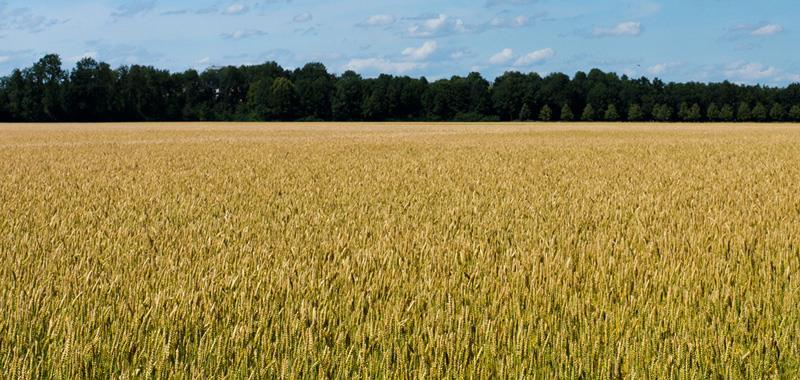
{"x":399,"y":251}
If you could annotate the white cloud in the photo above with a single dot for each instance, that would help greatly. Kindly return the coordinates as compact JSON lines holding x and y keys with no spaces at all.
{"x":303,"y":17}
{"x":422,"y":52}
{"x":4,"y":58}
{"x":628,"y":28}
{"x":243,"y":33}
{"x":378,"y":21}
{"x":535,"y":57}
{"x":381,"y":65}
{"x":204,"y":61}
{"x":514,"y":22}
{"x":236,"y":9}
{"x":502,"y":57}
{"x":743,"y":71}
{"x":437,"y":26}
{"x":88,"y":54}
{"x":767,"y":30}
{"x":661,"y":68}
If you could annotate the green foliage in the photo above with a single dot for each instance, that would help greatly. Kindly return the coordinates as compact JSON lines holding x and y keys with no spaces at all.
{"x":588,"y":113}
{"x":283,"y":99}
{"x":94,"y":92}
{"x":525,"y":113}
{"x":713,"y":112}
{"x":566,"y":113}
{"x":760,"y":112}
{"x":348,"y":97}
{"x":794,"y":113}
{"x":546,"y":113}
{"x":662,"y":112}
{"x":777,"y":112}
{"x":611,"y":113}
{"x":635,"y":113}
{"x":743,"y":113}
{"x":727,"y":113}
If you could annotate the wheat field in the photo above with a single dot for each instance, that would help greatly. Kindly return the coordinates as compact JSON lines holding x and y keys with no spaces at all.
{"x":399,"y":251}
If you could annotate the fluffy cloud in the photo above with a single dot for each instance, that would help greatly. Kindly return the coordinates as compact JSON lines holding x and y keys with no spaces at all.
{"x":377,"y":21}
{"x":628,"y":28}
{"x":381,"y":65}
{"x":422,"y":52}
{"x":535,"y":57}
{"x":502,"y":57}
{"x":767,"y":30}
{"x":4,"y":58}
{"x":744,"y":71}
{"x":440,"y":25}
{"x":236,"y":9}
{"x":661,"y":68}
{"x":243,"y":33}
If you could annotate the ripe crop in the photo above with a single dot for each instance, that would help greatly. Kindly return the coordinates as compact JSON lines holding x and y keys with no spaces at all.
{"x":410,"y":251}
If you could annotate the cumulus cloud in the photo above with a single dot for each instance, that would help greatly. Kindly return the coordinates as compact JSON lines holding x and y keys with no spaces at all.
{"x":767,"y":30}
{"x":381,"y":65}
{"x":502,"y":57}
{"x":628,"y":28}
{"x":535,"y":57}
{"x":378,"y":21}
{"x":236,"y":9}
{"x":440,"y":25}
{"x":745,"y":71}
{"x":243,"y":33}
{"x":422,"y":52}
{"x":661,"y":68}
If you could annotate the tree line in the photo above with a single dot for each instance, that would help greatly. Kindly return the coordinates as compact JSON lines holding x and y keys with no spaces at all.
{"x":95,"y":92}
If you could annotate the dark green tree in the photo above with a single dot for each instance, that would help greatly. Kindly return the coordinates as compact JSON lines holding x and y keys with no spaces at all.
{"x":315,"y":88}
{"x":635,"y":113}
{"x":525,"y":113}
{"x":546,"y":113}
{"x":662,"y":112}
{"x":566,"y":113}
{"x":713,"y":112}
{"x":726,"y":113}
{"x":794,"y":113}
{"x":611,"y":113}
{"x":283,"y":99}
{"x":743,"y":113}
{"x":777,"y":112}
{"x":694,"y":114}
{"x":760,"y":112}
{"x":348,"y":97}
{"x":588,"y":113}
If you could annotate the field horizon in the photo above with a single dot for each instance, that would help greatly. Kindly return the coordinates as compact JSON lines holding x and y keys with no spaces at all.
{"x":400,"y":250}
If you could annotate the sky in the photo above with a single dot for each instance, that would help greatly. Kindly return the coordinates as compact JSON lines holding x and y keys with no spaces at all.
{"x":744,"y":41}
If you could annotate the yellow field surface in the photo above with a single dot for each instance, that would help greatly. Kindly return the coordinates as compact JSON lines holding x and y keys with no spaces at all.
{"x":399,"y":251}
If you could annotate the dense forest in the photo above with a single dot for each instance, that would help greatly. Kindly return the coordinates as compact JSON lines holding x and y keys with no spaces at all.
{"x":95,"y":92}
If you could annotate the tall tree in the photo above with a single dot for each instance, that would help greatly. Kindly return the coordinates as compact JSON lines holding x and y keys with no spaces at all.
{"x":777,"y":112}
{"x":635,"y":113}
{"x":546,"y":113}
{"x":283,"y":99}
{"x":566,"y":113}
{"x":588,"y":113}
{"x":348,"y":97}
{"x":611,"y":113}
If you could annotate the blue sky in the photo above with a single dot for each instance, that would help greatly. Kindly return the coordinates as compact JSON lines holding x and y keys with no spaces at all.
{"x":744,"y":41}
